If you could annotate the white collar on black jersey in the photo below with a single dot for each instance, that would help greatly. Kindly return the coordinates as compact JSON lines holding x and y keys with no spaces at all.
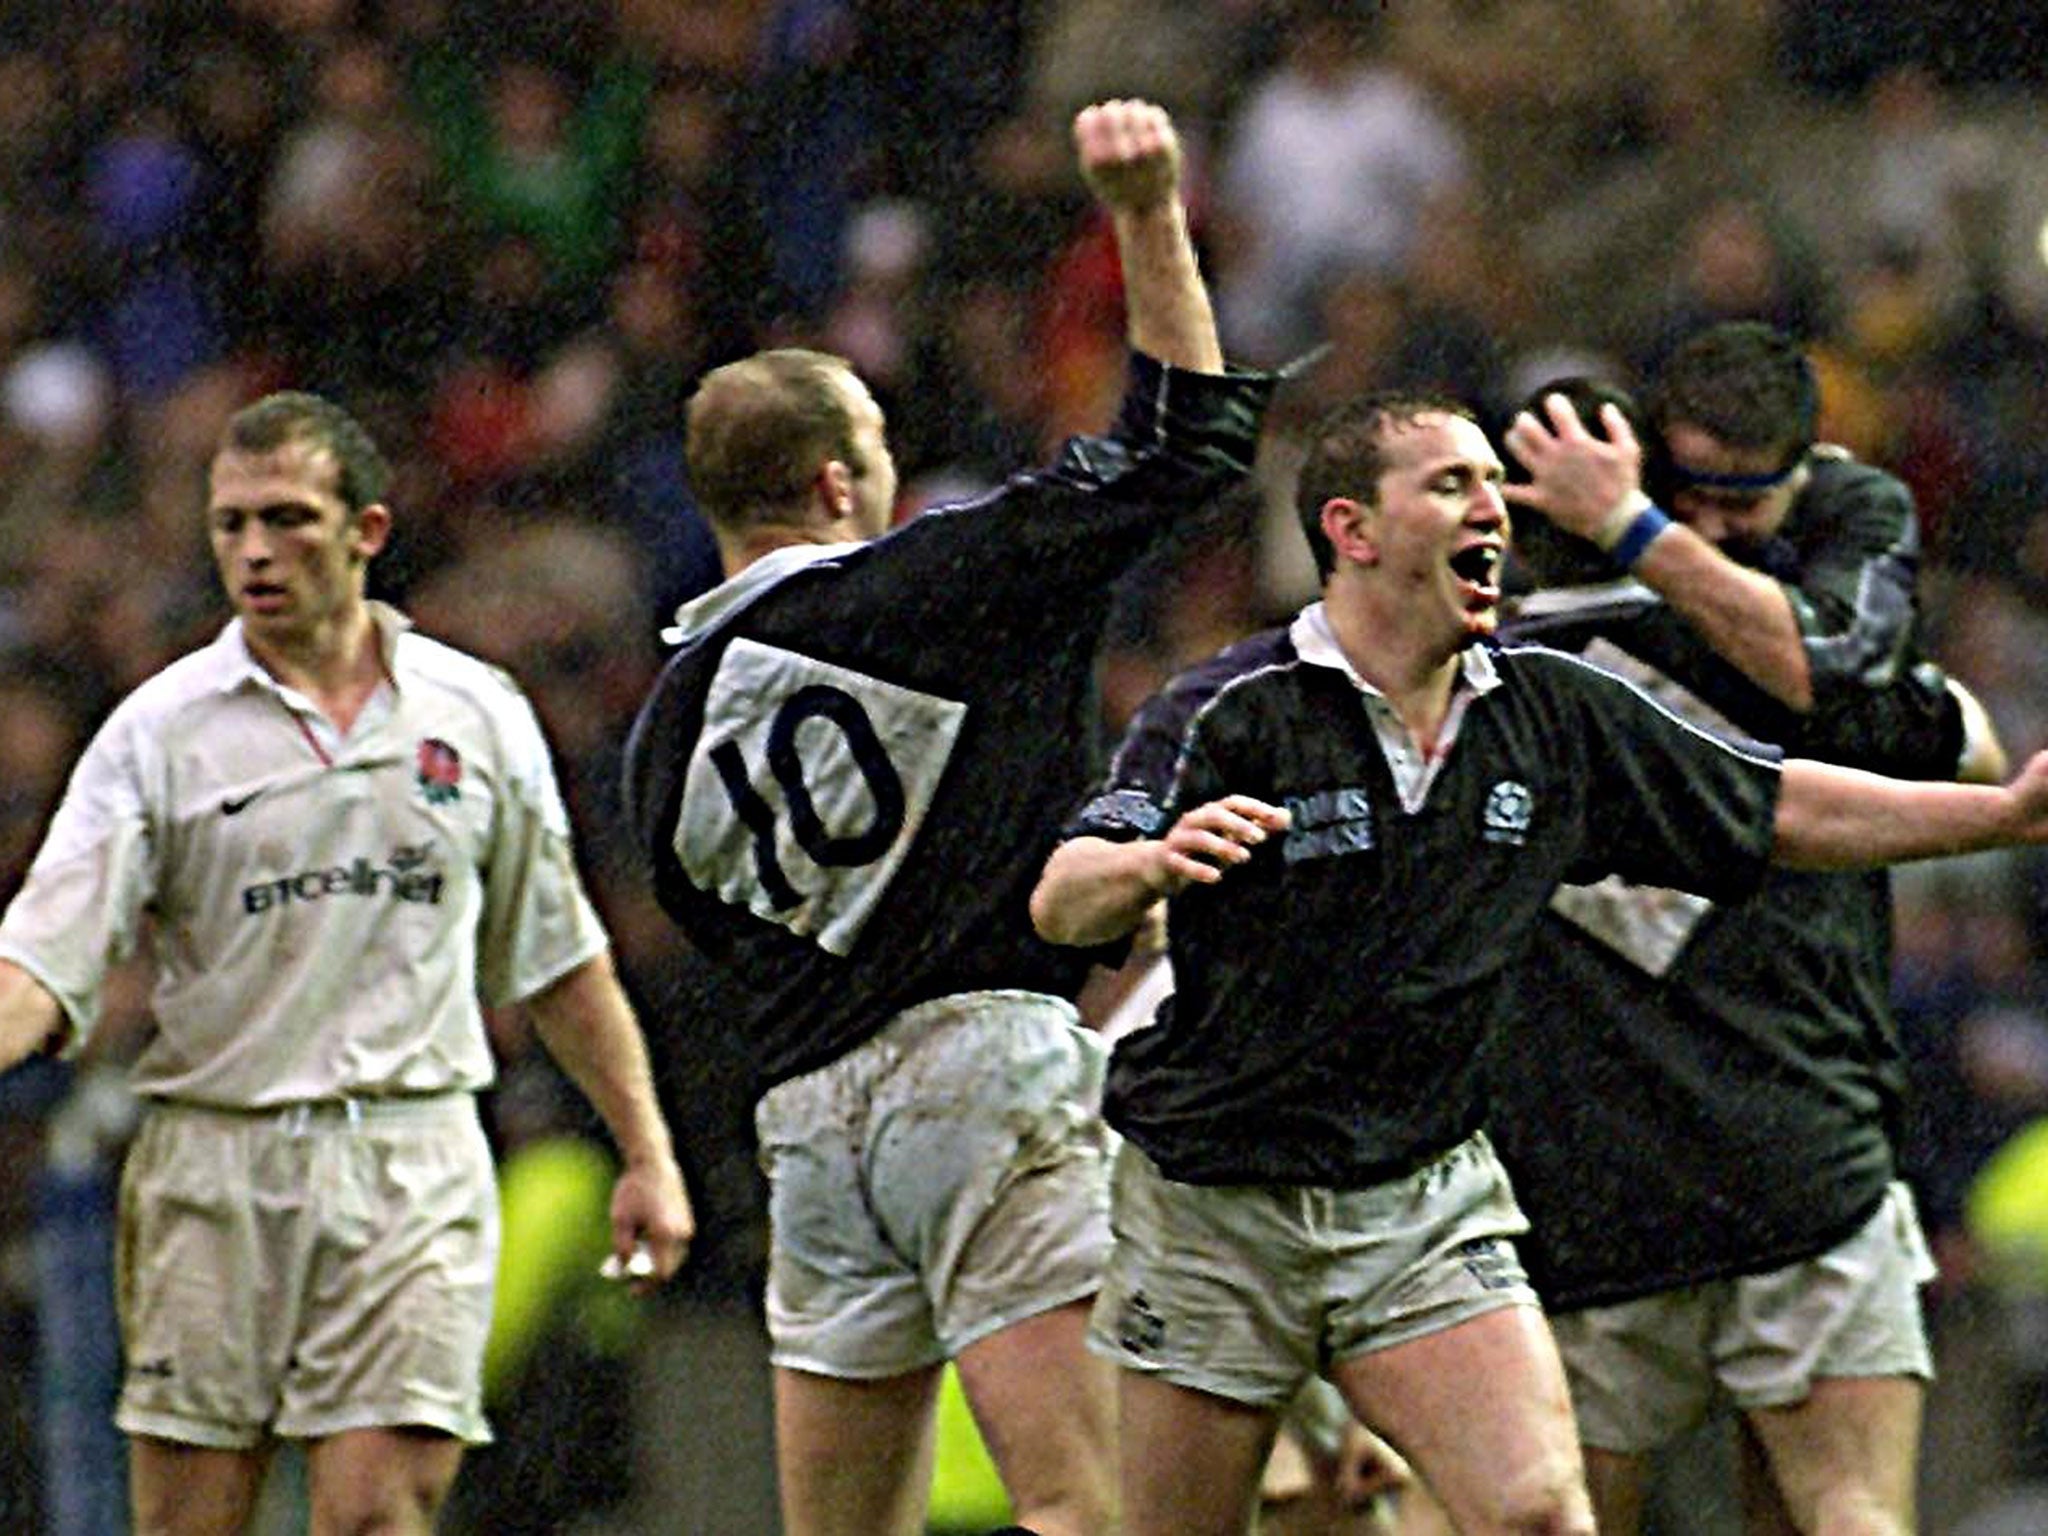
{"x":1316,"y":642}
{"x":1560,"y":602}
{"x":701,"y":615}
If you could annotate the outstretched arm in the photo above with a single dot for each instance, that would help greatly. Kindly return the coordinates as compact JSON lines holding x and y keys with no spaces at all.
{"x":1591,"y":486}
{"x":1095,"y":890}
{"x":588,"y":1027}
{"x":1130,"y":157}
{"x":1831,"y":817}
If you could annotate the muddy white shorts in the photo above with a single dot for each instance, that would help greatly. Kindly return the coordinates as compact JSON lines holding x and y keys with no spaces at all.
{"x":941,"y":1181}
{"x":1643,"y":1372}
{"x":308,"y":1270}
{"x":1248,"y":1291}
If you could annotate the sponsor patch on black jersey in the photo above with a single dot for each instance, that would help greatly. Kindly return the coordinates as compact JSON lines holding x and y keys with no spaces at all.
{"x":1328,"y":824}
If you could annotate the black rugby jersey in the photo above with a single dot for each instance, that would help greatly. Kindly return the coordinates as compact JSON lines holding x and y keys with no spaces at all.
{"x":1332,"y":993}
{"x":848,"y":777}
{"x":1848,"y":558}
{"x":1706,"y":1092}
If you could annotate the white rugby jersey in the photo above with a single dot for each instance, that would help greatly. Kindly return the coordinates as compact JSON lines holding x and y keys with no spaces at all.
{"x":324,"y":909}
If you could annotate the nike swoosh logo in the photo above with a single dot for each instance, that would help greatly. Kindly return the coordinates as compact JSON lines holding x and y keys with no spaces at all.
{"x":235,"y":807}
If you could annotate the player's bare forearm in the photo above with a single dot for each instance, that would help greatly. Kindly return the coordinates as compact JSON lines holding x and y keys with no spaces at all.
{"x":30,"y":1019}
{"x":588,"y":1027}
{"x":1095,"y":890}
{"x":1590,"y":484}
{"x":1743,"y":614}
{"x":1130,"y":156}
{"x":1832,"y":817}
{"x":1170,"y":317}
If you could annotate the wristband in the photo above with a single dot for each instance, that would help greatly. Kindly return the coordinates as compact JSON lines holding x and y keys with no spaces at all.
{"x":1616,"y":522}
{"x":1641,"y":532}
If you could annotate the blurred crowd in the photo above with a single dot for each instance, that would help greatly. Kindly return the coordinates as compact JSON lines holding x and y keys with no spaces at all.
{"x":509,"y":234}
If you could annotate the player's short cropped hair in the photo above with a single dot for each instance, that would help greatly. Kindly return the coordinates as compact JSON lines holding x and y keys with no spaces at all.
{"x":759,"y":430}
{"x":1541,"y":554}
{"x":361,"y":474}
{"x":1347,"y":454}
{"x":1747,"y":384}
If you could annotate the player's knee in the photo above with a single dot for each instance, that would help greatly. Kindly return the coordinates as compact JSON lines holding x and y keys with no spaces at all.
{"x":1081,"y":1512}
{"x":396,"y":1506}
{"x":1559,"y":1518}
{"x":1553,"y":1502}
{"x":1858,"y":1512}
{"x":1556,"y":1517}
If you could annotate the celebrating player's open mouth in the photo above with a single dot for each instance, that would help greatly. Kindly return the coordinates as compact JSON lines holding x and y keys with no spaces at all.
{"x":1476,"y":565}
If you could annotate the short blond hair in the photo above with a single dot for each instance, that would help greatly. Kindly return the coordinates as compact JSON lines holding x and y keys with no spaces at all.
{"x":759,"y":430}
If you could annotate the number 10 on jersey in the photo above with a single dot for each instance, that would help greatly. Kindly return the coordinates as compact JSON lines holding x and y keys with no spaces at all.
{"x":807,"y":787}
